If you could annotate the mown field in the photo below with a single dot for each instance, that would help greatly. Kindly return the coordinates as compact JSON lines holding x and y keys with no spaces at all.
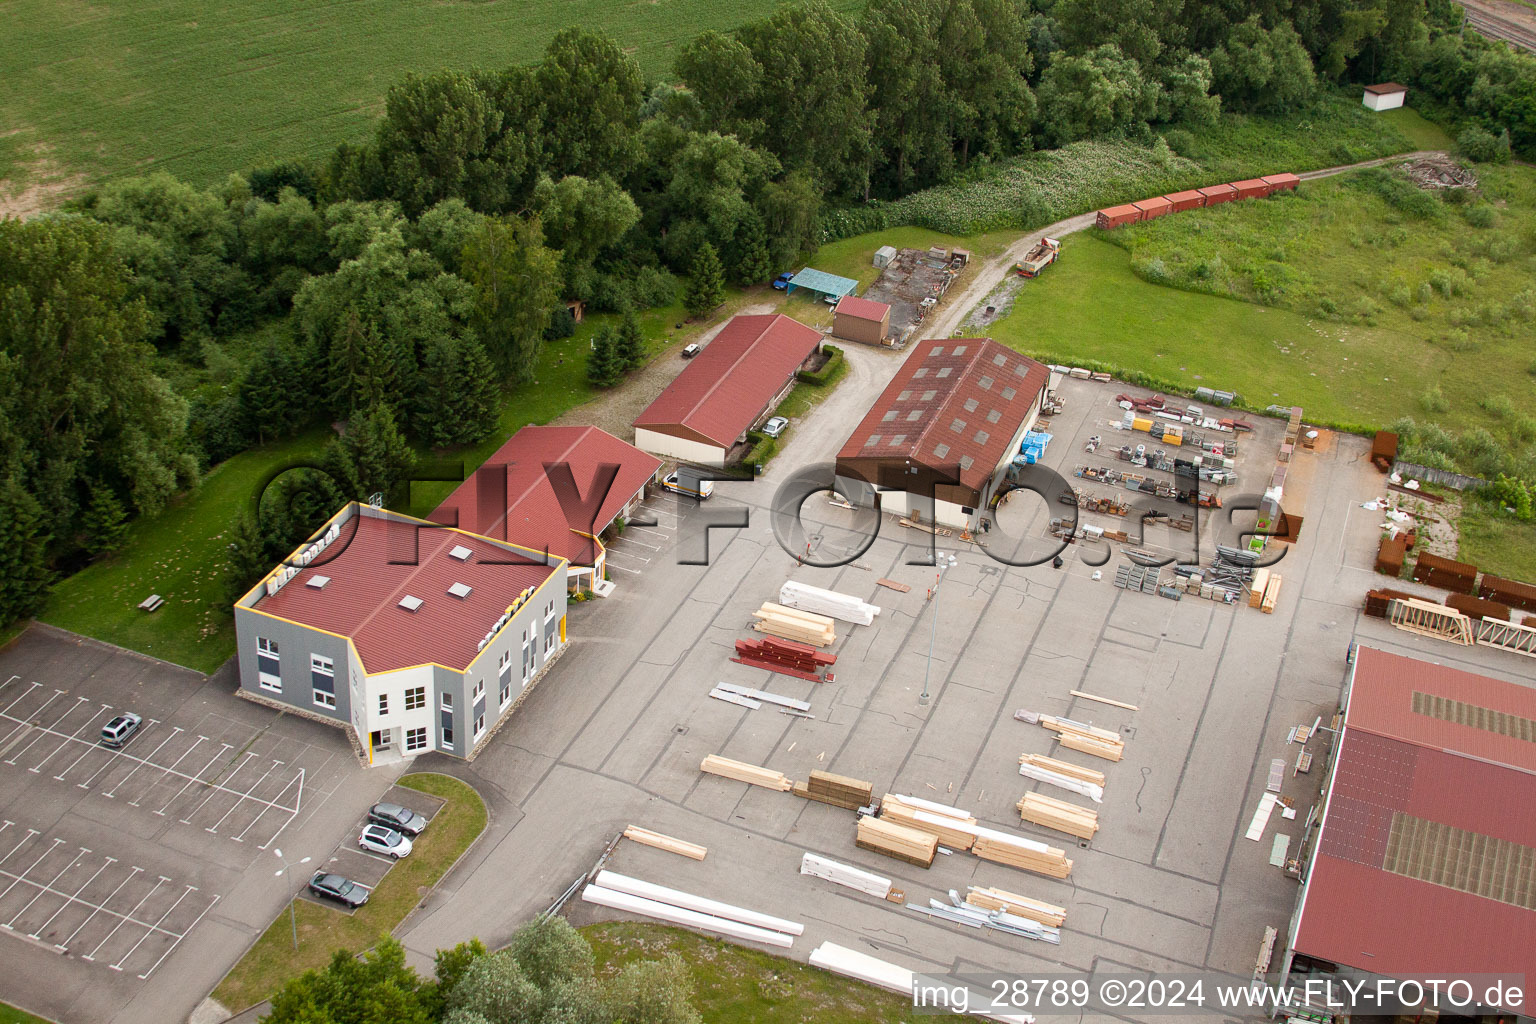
{"x":200,"y":89}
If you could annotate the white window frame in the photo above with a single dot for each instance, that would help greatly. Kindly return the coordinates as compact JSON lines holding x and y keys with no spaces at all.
{"x":478,"y":691}
{"x":266,"y":680}
{"x":323,"y":699}
{"x":446,"y":735}
{"x":416,"y":739}
{"x":325,"y":666}
{"x":445,"y":701}
{"x":383,"y":703}
{"x":265,"y":646}
{"x":480,"y":726}
{"x":415,"y":698}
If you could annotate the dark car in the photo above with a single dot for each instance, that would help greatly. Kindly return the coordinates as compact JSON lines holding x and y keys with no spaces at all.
{"x":401,"y":819}
{"x":342,"y":890}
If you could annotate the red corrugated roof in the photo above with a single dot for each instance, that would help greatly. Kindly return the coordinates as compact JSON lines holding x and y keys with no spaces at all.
{"x":1152,"y":203}
{"x":1393,"y":761}
{"x":362,"y":599}
{"x":1386,"y":88}
{"x":529,"y":513}
{"x":922,"y":414}
{"x":729,"y":384}
{"x":863,"y":309}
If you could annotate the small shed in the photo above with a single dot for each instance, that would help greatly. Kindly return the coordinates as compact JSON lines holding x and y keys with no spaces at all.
{"x":1386,"y":96}
{"x":1251,"y":188}
{"x":884,"y":255}
{"x":1286,"y":182}
{"x":1115,"y":216}
{"x":1157,"y":206}
{"x":861,"y":320}
{"x":1181,"y":201}
{"x":827,"y":285}
{"x":963,"y":255}
{"x":1218,"y":194}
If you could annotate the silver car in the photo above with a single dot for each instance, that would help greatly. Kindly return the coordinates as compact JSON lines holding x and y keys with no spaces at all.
{"x":775,"y":426}
{"x":384,"y":840}
{"x":120,"y":730}
{"x":402,"y":819}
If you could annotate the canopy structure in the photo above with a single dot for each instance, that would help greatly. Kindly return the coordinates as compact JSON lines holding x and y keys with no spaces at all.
{"x":823,"y":282}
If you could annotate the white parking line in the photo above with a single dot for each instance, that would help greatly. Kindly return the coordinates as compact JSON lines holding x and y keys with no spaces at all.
{"x":155,"y":927}
{"x":123,"y":919}
{"x":40,"y":729}
{"x":298,"y":798}
{"x":215,"y":826}
{"x":193,"y":778}
{"x":86,"y":753}
{"x":11,"y":923}
{"x":65,"y":742}
{"x":184,"y":934}
{"x":627,"y":540}
{"x":17,"y":878}
{"x":65,"y":905}
{"x":613,"y":565}
{"x":174,"y":730}
{"x":213,"y":790}
{"x":6,"y":711}
{"x":98,"y":908}
{"x":167,"y":771}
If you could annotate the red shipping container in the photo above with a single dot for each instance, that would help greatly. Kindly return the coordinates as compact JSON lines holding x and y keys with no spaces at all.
{"x":1157,"y":206}
{"x":1281,"y":182}
{"x":1186,"y":200}
{"x":1252,"y":188}
{"x":1115,"y":216}
{"x":1218,"y":194}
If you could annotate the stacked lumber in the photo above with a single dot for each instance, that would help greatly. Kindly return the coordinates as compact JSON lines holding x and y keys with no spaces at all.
{"x":1478,"y":608}
{"x":1376,"y":601}
{"x":1013,"y":903}
{"x":1256,"y":587}
{"x":1059,"y":815}
{"x":1446,"y":574}
{"x":846,"y":875}
{"x":794,"y":624}
{"x":1384,"y":450}
{"x":1511,"y":592}
{"x":1023,"y":854}
{"x":827,"y":602}
{"x":646,"y":837}
{"x":787,"y":656}
{"x":837,"y":790}
{"x":1390,"y":554}
{"x":953,"y":827}
{"x":1271,"y":593}
{"x":1085,"y":738}
{"x":751,"y":774}
{"x":898,"y":841}
{"x":1063,"y":768}
{"x":1063,"y":776}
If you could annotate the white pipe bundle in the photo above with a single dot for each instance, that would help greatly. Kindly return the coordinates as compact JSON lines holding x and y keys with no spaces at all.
{"x":929,"y":805}
{"x":844,"y":874}
{"x":1087,"y":789}
{"x":850,"y":963}
{"x":688,"y":901}
{"x":680,"y":915}
{"x":827,"y":602}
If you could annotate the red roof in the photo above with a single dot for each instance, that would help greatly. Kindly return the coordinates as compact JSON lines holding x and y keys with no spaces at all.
{"x":362,"y":598}
{"x":1398,"y":765}
{"x":957,"y":400}
{"x":863,"y":309}
{"x":1386,"y":88}
{"x":729,"y":384}
{"x":1153,"y":203}
{"x":529,"y":513}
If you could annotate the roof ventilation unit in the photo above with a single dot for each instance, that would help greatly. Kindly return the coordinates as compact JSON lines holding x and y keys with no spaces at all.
{"x":318,"y":582}
{"x":461,"y":553}
{"x":460,"y":590}
{"x":410,"y":603}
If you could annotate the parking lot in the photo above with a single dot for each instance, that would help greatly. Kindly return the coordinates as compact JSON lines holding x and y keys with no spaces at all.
{"x":633,"y":551}
{"x":365,"y":867}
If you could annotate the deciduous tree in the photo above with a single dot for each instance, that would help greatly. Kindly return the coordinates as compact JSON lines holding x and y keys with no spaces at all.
{"x":516,"y":282}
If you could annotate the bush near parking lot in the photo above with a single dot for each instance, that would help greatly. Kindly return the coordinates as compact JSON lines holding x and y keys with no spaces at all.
{"x":827,"y":371}
{"x":271,"y":961}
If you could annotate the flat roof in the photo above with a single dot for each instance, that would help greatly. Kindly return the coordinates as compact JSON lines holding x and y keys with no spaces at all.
{"x":862,"y":309}
{"x":378,"y":560}
{"x":528,"y":510}
{"x":1153,"y":201}
{"x":821,"y":281}
{"x":953,"y":401}
{"x":1426,"y":857}
{"x":728,"y":385}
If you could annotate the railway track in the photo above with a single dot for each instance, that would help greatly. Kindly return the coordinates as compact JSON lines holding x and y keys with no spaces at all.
{"x":1491,"y":21}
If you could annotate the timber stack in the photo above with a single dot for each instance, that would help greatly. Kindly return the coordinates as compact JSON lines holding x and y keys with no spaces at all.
{"x":751,"y":774}
{"x":1025,"y":854}
{"x":827,"y":602}
{"x":837,"y":790}
{"x":953,"y":827}
{"x":905,"y":844}
{"x":794,"y":624}
{"x":1013,"y":903}
{"x":1059,"y":815}
{"x":1085,"y":738}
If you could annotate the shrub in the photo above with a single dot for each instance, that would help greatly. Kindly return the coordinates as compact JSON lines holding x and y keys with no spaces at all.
{"x":1479,"y":216}
{"x":1183,"y":143}
{"x":1479,"y":144}
{"x":1400,"y":295}
{"x":1450,"y":282}
{"x":1498,"y":405}
{"x":829,"y":369}
{"x":1433,"y":400}
{"x":1458,"y":340}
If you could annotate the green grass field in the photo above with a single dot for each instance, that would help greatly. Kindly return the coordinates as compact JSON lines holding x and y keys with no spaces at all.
{"x":736,"y":985}
{"x":325,"y":928}
{"x":10,"y":1015}
{"x":203,"y":89}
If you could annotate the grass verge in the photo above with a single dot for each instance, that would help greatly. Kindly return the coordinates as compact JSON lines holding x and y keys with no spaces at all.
{"x":735,"y":985}
{"x":271,"y":962}
{"x":11,"y":1015}
{"x":1496,"y":542}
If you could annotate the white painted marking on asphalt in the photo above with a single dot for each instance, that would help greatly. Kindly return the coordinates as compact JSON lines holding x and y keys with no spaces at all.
{"x":166,"y":772}
{"x":184,"y":934}
{"x":125,"y":918}
{"x":145,"y":760}
{"x":156,"y":927}
{"x":90,"y":722}
{"x":40,"y":729}
{"x":193,"y":778}
{"x":74,"y":898}
{"x":17,"y":878}
{"x":97,"y":908}
{"x":214,"y":828}
{"x":213,"y":790}
{"x":41,"y":889}
{"x":88,"y":748}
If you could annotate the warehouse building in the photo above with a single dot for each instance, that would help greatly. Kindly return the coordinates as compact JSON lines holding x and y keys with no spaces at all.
{"x":514,"y":496}
{"x":862,"y":320}
{"x":958,"y":405}
{"x":729,"y":388}
{"x":408,"y":635}
{"x":1422,"y":863}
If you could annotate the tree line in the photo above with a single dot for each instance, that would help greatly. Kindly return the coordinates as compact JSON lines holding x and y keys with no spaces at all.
{"x":399,"y":284}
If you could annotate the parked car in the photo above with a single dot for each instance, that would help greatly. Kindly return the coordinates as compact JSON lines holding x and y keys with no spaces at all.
{"x":120,"y":730}
{"x":385,"y":840}
{"x":775,"y":426}
{"x":688,"y":485}
{"x":342,"y":890}
{"x":691,"y":350}
{"x":402,"y":819}
{"x":781,"y":283}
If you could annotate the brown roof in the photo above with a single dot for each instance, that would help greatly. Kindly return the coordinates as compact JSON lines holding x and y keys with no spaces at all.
{"x":1428,"y":808}
{"x":955,"y":400}
{"x":529,"y":512}
{"x":863,"y":309}
{"x":729,"y":384}
{"x":1386,"y":88}
{"x":1152,"y":203}
{"x":380,"y":558}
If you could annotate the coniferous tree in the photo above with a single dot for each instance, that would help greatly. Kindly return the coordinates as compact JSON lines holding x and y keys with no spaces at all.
{"x":105,"y":521}
{"x":706,"y":285}
{"x":603,"y":367}
{"x":24,"y":576}
{"x":246,"y":559}
{"x":629,"y":347}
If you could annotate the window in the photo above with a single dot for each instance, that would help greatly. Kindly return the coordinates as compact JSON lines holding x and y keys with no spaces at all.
{"x":999,"y":360}
{"x":959,"y":350}
{"x":921,"y":371}
{"x":966,"y":462}
{"x":319,"y":664}
{"x":447,"y":702}
{"x":322,"y":677}
{"x":415,"y":698}
{"x":448,"y":737}
{"x":416,"y":739}
{"x":269,"y":672}
{"x":905,"y":396}
{"x":479,"y":726}
{"x":479,"y":691}
{"x":986,"y":383}
{"x":981,"y":436}
{"x":898,"y":440}
{"x":325,"y":699}
{"x":943,"y":371}
{"x":929,"y":396}
{"x":528,"y":659}
{"x":940,"y":450}
{"x":266,"y":646}
{"x":383,"y":703}
{"x":504,"y":676}
{"x":938,"y":350}
{"x":957,"y":426}
{"x":1021,"y":370}
{"x":873,"y":442}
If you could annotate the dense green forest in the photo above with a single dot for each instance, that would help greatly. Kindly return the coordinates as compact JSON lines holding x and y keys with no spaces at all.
{"x":154,"y":328}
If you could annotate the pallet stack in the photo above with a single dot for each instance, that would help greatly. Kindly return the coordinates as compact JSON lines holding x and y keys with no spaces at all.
{"x":1024,"y":854}
{"x":1059,"y":815}
{"x":827,"y":602}
{"x":1086,"y":738}
{"x":954,"y":828}
{"x":899,"y":841}
{"x":794,"y":624}
{"x":1376,"y":601}
{"x":837,"y":790}
{"x":786,"y":656}
{"x":1013,"y":903}
{"x":751,"y":774}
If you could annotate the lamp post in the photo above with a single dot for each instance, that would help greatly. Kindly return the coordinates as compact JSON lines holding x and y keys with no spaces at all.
{"x":945,"y":564}
{"x":286,"y":869}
